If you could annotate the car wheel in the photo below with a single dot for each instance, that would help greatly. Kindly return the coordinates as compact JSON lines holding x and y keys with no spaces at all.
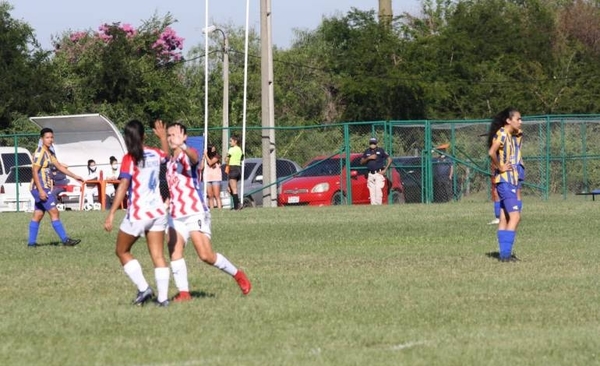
{"x":338,"y":199}
{"x":398,"y":198}
{"x":249,"y":203}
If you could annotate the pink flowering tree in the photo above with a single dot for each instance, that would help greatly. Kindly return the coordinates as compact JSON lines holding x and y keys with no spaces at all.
{"x":119,"y":65}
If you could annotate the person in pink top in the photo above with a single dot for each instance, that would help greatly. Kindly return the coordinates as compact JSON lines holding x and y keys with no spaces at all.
{"x":146,"y":214}
{"x":213,"y":176}
{"x":189,"y":217}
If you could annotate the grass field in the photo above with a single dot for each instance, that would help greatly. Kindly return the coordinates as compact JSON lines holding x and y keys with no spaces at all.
{"x":361,"y":285}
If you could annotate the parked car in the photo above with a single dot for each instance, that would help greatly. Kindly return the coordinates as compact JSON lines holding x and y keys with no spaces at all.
{"x":253,"y":180}
{"x":323,"y":183}
{"x":8,"y":190}
{"x":8,"y":159}
{"x":411,"y":172}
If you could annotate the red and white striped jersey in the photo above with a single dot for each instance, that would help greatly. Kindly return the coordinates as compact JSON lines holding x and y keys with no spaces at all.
{"x":145,"y":201}
{"x":185,"y":187}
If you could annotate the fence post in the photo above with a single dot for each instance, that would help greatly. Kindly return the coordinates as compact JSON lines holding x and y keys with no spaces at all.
{"x":547,"y":154}
{"x":347,"y":158}
{"x":428,"y":163}
{"x":563,"y":158}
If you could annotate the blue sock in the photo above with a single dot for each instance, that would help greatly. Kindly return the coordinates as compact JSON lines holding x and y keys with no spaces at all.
{"x":60,"y":230}
{"x":520,"y":205}
{"x":504,"y":243}
{"x":34,"y":227}
{"x":510,"y":238}
{"x":497,"y":209}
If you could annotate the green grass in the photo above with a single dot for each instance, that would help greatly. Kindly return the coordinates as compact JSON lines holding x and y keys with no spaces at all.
{"x":361,"y":285}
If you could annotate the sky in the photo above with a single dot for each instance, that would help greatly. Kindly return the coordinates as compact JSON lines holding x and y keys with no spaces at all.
{"x":53,"y":17}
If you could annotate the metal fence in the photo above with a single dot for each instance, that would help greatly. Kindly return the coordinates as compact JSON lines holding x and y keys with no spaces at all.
{"x":437,"y":161}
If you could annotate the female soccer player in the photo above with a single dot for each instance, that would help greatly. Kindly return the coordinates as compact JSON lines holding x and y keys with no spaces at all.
{"x":504,"y":152}
{"x":43,"y":161}
{"x":146,"y":214}
{"x":189,"y":216}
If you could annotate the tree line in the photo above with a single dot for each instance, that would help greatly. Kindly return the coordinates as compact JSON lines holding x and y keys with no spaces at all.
{"x":463,"y":59}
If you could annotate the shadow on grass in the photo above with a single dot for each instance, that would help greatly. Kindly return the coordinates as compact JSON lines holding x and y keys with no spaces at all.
{"x":201,"y":295}
{"x":49,"y":244}
{"x":493,"y":255}
{"x":496,"y":256}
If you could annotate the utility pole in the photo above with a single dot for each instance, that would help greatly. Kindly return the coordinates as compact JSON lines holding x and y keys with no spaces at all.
{"x":385,"y":12}
{"x":225,"y":132}
{"x":268,"y":109}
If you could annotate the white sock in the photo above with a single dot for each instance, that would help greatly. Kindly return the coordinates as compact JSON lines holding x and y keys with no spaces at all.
{"x":162,"y":275}
{"x":225,"y":265}
{"x":133,"y":270}
{"x":180,"y":275}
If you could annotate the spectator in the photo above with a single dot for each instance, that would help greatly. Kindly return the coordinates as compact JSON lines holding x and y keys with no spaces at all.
{"x":445,"y":173}
{"x":112,"y":173}
{"x":91,"y":190}
{"x":213,"y":176}
{"x":378,"y":161}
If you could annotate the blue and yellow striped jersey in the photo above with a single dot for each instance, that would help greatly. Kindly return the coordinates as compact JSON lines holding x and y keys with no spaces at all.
{"x":519,"y":142}
{"x":509,"y":152}
{"x":44,"y":158}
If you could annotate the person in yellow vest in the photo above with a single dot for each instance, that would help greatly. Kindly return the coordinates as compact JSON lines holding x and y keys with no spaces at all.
{"x":234,"y":174}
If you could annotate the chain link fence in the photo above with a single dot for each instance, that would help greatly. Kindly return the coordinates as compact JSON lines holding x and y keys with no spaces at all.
{"x":432,"y":161}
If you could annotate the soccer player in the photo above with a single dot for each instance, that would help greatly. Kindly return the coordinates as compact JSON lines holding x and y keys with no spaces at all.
{"x":189,"y":217}
{"x":504,"y":152}
{"x":496,"y":200}
{"x":146,"y":214}
{"x":41,"y":186}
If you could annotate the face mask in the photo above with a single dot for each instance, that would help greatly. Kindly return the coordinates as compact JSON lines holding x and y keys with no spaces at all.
{"x":92,"y":169}
{"x":114,"y":166}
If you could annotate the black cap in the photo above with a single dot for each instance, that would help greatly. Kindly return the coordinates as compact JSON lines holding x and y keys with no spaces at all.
{"x":373,"y":140}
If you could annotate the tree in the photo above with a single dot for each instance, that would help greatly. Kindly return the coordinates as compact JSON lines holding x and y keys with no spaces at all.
{"x":28,"y":85}
{"x":129,"y":72}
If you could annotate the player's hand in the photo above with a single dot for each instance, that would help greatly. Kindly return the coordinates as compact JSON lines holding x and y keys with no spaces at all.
{"x":177,"y":137}
{"x":108,"y":223}
{"x":160,"y":129}
{"x":506,"y":167}
{"x":43,"y":196}
{"x":78,"y":178}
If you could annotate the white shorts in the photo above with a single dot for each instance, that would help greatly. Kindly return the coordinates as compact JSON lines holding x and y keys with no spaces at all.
{"x":139,"y":228}
{"x":198,"y":222}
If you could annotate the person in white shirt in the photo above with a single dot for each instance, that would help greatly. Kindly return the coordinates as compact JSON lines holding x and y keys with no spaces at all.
{"x":112,"y":173}
{"x":91,"y":190}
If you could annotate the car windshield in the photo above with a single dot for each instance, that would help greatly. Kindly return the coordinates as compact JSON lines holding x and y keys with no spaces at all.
{"x":321,"y":167}
{"x":25,"y":174}
{"x":248,"y":168}
{"x":9,"y":159}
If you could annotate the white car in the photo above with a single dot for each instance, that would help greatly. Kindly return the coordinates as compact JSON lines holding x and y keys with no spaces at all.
{"x":11,"y":188}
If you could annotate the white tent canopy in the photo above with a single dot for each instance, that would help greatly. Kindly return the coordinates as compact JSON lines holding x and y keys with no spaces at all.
{"x":78,"y":138}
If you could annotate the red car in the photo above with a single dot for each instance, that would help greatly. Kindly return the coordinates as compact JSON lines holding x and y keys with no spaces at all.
{"x":323,"y":183}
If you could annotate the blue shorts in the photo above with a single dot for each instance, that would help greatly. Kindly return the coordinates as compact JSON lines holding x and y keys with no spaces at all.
{"x":46,"y":205}
{"x":508,"y":197}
